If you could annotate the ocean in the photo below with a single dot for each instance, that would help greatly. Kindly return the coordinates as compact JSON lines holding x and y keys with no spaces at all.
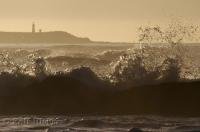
{"x":97,"y":124}
{"x":98,"y":57}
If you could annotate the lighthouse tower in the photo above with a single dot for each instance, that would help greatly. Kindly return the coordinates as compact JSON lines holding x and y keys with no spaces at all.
{"x":33,"y":28}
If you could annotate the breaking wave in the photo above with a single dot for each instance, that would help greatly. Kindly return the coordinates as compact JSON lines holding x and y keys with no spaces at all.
{"x":160,"y":56}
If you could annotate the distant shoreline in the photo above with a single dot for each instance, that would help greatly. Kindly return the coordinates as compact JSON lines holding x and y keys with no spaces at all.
{"x":41,"y":37}
{"x":53,"y":37}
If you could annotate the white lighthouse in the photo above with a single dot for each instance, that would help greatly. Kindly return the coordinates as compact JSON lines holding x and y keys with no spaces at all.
{"x":33,"y":27}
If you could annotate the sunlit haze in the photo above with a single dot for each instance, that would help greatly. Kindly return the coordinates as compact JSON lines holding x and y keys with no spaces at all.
{"x":100,"y":20}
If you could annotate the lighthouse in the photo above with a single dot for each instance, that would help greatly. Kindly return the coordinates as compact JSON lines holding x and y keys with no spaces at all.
{"x":33,"y":28}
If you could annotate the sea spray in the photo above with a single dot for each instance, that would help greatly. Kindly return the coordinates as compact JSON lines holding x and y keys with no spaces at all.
{"x":162,"y":57}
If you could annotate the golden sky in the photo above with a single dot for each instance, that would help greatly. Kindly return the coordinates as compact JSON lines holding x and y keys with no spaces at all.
{"x":105,"y":20}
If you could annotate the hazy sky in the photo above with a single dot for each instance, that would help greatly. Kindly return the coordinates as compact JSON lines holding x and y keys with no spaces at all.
{"x":106,"y":20}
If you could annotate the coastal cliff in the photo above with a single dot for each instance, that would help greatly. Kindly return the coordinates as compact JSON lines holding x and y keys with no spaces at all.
{"x":41,"y":37}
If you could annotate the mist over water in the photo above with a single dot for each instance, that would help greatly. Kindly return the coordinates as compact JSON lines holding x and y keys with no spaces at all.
{"x":116,"y":62}
{"x":160,"y":56}
{"x":62,"y":57}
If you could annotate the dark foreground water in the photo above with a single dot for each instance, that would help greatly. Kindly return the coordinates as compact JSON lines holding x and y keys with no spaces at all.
{"x":97,"y":124}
